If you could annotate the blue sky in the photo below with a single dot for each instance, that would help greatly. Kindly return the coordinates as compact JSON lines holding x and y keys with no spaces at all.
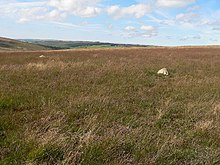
{"x":151,"y":22}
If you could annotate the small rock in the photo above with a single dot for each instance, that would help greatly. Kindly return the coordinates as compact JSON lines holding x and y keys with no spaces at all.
{"x":42,"y":56}
{"x":163,"y":71}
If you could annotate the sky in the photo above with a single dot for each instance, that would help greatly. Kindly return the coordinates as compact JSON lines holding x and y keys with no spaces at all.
{"x":149,"y":22}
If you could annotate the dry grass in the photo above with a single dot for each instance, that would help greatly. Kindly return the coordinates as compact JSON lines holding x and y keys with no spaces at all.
{"x":108,"y":106}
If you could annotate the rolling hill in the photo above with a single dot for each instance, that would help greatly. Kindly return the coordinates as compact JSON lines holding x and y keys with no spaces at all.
{"x":60,"y":44}
{"x":7,"y":44}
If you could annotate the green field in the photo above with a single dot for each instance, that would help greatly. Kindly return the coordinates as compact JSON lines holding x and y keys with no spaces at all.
{"x":108,"y":106}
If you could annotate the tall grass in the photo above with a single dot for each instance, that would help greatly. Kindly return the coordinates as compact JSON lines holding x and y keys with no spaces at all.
{"x":110,"y":107}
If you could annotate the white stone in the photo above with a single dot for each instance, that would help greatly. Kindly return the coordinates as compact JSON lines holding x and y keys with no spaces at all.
{"x":163,"y":71}
{"x":42,"y":56}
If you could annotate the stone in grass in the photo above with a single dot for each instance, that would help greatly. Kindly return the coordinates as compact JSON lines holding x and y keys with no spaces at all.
{"x":163,"y":71}
{"x":42,"y":56}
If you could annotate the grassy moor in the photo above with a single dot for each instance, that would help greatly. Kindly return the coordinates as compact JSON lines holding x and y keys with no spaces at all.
{"x":7,"y":44}
{"x":109,"y":106}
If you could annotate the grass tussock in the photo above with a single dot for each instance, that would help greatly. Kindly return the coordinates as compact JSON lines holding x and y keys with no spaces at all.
{"x":110,"y":107}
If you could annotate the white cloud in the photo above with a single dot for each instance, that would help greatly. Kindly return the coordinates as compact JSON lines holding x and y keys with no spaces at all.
{"x":9,"y":9}
{"x":82,"y":8}
{"x":186,"y":17}
{"x":193,"y":8}
{"x":196,"y":37}
{"x":130,"y":28}
{"x":137,"y":11}
{"x":30,"y":11}
{"x":39,"y":13}
{"x":147,"y":28}
{"x":149,"y":31}
{"x":144,"y":32}
{"x":174,"y":3}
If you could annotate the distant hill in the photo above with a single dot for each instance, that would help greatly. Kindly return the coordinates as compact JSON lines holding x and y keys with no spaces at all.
{"x":59,"y":44}
{"x":7,"y":44}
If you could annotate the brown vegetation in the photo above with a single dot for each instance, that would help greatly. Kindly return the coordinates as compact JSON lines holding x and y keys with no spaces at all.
{"x":7,"y":44}
{"x":109,"y":106}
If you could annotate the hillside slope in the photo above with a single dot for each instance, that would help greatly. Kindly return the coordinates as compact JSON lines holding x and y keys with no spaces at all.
{"x":60,"y":44}
{"x":7,"y":44}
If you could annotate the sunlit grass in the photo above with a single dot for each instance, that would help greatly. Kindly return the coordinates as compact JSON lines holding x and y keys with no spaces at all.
{"x":109,"y":106}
